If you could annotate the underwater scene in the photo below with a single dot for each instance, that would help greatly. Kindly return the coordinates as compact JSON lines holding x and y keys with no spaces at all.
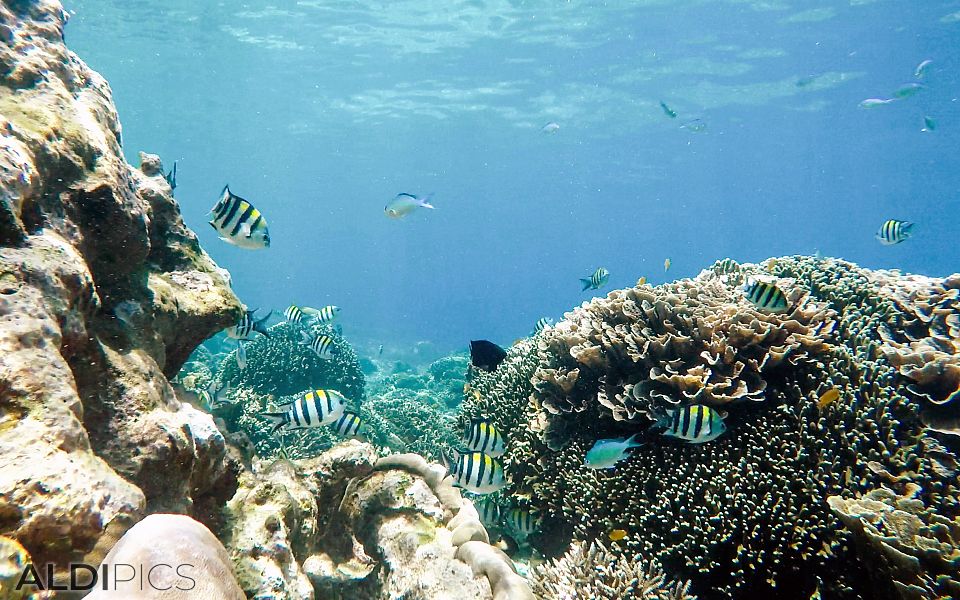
{"x":479,"y":300}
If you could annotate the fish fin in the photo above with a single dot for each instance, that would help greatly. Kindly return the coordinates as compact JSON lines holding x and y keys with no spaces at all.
{"x":278,"y":420}
{"x":305,"y":338}
{"x":587,"y":284}
{"x":632,"y":443}
{"x":425,"y":201}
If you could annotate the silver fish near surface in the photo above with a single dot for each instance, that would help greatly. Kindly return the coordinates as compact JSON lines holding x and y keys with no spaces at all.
{"x":403,"y":204}
{"x":894,"y":231}
{"x":238,"y":222}
{"x":241,"y":356}
{"x":550,"y":127}
{"x":921,"y":71}
{"x":247,"y":326}
{"x":348,"y":425}
{"x":696,"y":424}
{"x":313,"y":409}
{"x":765,"y":296}
{"x":605,"y":454}
{"x":321,"y":344}
{"x":908,"y":89}
{"x":482,"y":436}
{"x":875,"y":102}
{"x":476,"y":472}
{"x":695,"y":126}
{"x":595,"y":281}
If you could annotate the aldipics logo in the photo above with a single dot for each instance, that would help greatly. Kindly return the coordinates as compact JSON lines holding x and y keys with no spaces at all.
{"x":79,"y":577}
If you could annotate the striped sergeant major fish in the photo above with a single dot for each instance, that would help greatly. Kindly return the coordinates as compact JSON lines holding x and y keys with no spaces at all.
{"x":893,"y":232}
{"x":348,"y":425}
{"x":213,"y":396}
{"x":766,"y":296}
{"x":476,"y":472}
{"x":595,"y":281}
{"x":246,"y":326}
{"x":313,"y":409}
{"x":542,"y":323}
{"x":482,"y":436}
{"x":523,"y":521}
{"x":489,"y":512}
{"x":238,"y":222}
{"x":695,"y":424}
{"x":321,"y":344}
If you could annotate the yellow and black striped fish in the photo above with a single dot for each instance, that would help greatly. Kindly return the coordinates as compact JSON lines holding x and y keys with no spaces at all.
{"x":695,"y":424}
{"x":239,"y":223}
{"x":348,"y":425}
{"x":766,"y":296}
{"x":313,"y":409}
{"x":293,"y":314}
{"x":595,"y":281}
{"x":482,"y":436}
{"x":523,"y":521}
{"x":489,"y":512}
{"x":321,"y":344}
{"x":322,"y":315}
{"x":893,"y":232}
{"x":476,"y":472}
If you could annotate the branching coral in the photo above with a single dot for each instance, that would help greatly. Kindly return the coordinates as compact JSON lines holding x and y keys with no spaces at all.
{"x":595,"y":572}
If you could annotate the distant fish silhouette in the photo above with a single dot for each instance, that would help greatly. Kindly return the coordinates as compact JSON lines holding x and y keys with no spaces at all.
{"x":486,"y":355}
{"x":171,"y":177}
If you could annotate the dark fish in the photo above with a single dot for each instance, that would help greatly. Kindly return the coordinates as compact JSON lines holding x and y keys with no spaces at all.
{"x":171,"y":177}
{"x":667,"y":110}
{"x":486,"y":355}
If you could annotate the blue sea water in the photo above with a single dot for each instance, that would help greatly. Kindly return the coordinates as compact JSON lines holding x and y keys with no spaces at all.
{"x":319,"y":112}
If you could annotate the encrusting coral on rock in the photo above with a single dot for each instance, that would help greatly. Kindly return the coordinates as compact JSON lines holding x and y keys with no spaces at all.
{"x":346,"y":524}
{"x":744,"y":515}
{"x":103,"y":292}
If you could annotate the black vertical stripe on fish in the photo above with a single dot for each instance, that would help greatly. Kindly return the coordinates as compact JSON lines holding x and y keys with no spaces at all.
{"x":234,"y":205}
{"x":698,"y":425}
{"x":305,"y":404}
{"x":256,"y":222}
{"x":295,"y":410}
{"x":685,"y":421}
{"x":243,"y":219}
{"x":675,"y":426}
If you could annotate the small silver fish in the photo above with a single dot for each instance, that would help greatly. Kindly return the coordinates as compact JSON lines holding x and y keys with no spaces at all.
{"x":929,"y":124}
{"x":695,"y":126}
{"x":875,"y":102}
{"x":241,"y":356}
{"x":403,"y":204}
{"x":550,"y":127}
{"x":921,"y":71}
{"x":605,"y":454}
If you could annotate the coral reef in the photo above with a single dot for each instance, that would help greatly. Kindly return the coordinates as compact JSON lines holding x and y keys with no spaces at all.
{"x":345,"y":524}
{"x":175,"y":557}
{"x":593,"y":571}
{"x":103,"y":292}
{"x":914,"y":552}
{"x":745,"y":515}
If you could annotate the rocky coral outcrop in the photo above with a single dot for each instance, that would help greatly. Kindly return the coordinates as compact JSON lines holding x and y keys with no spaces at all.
{"x":103,"y":292}
{"x":346,"y":524}
{"x":745,"y":515}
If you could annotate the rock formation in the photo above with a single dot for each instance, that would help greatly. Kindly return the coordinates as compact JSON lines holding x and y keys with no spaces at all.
{"x":103,"y":292}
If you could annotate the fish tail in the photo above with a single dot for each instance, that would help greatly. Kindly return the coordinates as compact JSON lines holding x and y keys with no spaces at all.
{"x":259,"y":326}
{"x":587,"y":284}
{"x":425,"y":201}
{"x":632,"y":443}
{"x":278,"y":419}
{"x":450,"y":462}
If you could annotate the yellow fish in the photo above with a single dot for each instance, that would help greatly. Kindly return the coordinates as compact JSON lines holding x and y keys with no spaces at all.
{"x":641,"y":281}
{"x":771,"y":265}
{"x":476,"y":394}
{"x":466,"y":388}
{"x":666,"y":265}
{"x":828,"y":397}
{"x":617,"y":534}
